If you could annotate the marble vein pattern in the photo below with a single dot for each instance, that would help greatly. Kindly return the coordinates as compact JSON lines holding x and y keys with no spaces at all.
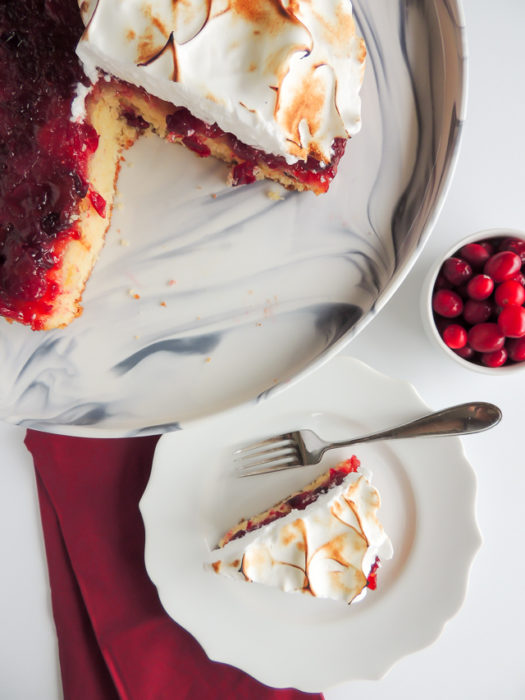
{"x":206,"y":297}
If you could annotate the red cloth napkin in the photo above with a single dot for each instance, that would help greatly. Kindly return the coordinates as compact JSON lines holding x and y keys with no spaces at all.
{"x":114,"y":638}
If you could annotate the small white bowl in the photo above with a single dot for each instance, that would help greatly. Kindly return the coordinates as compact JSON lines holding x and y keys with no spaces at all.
{"x":426,"y":302}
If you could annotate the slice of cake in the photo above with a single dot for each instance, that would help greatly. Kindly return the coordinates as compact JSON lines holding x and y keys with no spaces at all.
{"x":271,"y":88}
{"x":325,"y":540}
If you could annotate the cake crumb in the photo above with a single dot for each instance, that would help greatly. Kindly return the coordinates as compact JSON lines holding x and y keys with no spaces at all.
{"x":273,"y":194}
{"x":207,"y":359}
{"x":132,"y":293}
{"x":136,"y":337}
{"x":213,"y":195}
{"x":163,"y":303}
{"x":124,"y":242}
{"x":170,"y":283}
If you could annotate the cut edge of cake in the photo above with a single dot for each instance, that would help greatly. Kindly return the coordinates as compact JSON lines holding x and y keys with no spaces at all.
{"x":93,"y":216}
{"x":119,"y":112}
{"x":330,"y":549}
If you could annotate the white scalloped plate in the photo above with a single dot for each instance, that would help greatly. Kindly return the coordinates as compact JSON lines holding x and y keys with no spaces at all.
{"x":291,"y":640}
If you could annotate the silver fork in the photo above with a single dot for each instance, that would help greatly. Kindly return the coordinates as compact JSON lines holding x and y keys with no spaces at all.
{"x":304,"y":447}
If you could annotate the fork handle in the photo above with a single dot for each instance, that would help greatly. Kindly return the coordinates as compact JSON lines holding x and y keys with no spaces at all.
{"x":457,"y":420}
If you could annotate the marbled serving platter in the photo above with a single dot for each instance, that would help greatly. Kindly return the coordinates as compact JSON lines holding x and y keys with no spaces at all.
{"x":207,"y":297}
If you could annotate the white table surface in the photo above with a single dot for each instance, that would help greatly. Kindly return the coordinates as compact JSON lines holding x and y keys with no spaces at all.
{"x":481,"y":652}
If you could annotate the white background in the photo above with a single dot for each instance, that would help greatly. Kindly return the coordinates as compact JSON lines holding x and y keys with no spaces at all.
{"x":481,"y":652}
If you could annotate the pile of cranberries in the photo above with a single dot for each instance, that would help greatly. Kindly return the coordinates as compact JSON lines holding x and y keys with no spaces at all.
{"x":478,"y":301}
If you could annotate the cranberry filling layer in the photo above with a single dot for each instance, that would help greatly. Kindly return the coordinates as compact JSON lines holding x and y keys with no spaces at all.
{"x":193,"y":132}
{"x":299,"y":501}
{"x":43,"y":154}
{"x":371,"y":581}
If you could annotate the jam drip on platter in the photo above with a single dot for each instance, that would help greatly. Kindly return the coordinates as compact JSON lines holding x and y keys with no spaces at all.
{"x":43,"y":153}
{"x":193,"y":133}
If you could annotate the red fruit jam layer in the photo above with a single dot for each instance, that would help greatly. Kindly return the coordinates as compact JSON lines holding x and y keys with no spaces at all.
{"x":371,"y":581}
{"x":193,"y":133}
{"x":299,"y":501}
{"x":43,"y":154}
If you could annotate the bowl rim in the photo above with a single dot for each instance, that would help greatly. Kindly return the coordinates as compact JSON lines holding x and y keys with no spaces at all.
{"x":426,"y":298}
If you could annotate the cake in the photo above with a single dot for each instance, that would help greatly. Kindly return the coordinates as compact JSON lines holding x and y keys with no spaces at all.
{"x":324,"y":540}
{"x":269,"y":87}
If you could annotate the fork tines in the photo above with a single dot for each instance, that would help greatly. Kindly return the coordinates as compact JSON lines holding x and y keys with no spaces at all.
{"x":272,"y":453}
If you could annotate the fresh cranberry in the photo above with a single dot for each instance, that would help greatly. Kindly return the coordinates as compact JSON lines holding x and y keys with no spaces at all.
{"x":489,"y":247}
{"x":486,"y":337}
{"x":520,"y":277}
{"x":441,"y":282}
{"x":462,"y":290}
{"x":503,"y":266}
{"x":455,"y":336}
{"x":480,"y":287}
{"x":516,"y":349}
{"x":509,"y":292}
{"x":456,"y":271}
{"x":441,"y":323}
{"x":466,"y":352}
{"x":477,"y":311}
{"x":497,"y":358}
{"x":447,"y":303}
{"x":476,"y":254}
{"x":511,"y":321}
{"x":516,"y":245}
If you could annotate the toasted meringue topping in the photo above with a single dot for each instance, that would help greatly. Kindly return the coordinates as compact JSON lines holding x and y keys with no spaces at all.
{"x":282,"y":75}
{"x":327,"y":551}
